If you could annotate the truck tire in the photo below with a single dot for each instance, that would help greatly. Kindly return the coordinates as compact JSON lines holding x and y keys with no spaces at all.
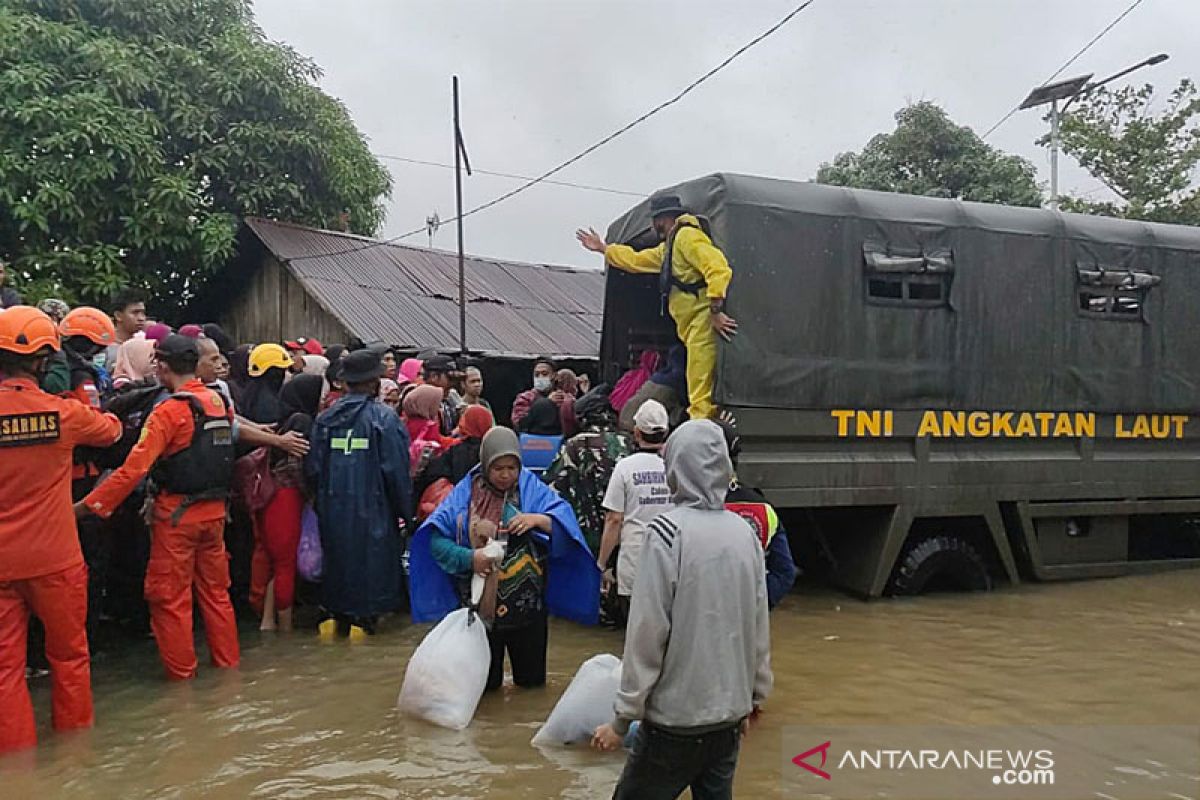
{"x":940,"y":562}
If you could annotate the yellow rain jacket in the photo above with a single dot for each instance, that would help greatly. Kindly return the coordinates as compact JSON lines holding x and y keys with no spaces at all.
{"x":695,"y":260}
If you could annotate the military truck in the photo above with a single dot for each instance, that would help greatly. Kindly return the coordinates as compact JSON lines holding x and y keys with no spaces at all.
{"x":940,"y":394}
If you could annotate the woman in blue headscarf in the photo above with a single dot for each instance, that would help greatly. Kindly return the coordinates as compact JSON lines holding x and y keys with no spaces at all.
{"x":546,"y":568}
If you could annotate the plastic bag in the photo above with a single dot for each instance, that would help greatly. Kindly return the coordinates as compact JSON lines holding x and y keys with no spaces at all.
{"x":494,"y":550}
{"x":448,"y":672}
{"x":586,"y":705}
{"x":432,"y":497}
{"x":310,"y":558}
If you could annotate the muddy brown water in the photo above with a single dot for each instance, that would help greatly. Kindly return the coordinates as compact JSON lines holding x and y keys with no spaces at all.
{"x":306,"y":720}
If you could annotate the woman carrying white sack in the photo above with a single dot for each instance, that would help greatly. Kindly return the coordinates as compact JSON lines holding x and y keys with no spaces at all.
{"x":546,"y":568}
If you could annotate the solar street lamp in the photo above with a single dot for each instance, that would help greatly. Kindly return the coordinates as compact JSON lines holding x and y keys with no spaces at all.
{"x":1067,"y":90}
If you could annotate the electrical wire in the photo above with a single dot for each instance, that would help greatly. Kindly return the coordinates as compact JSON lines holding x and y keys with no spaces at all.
{"x":589,"y":150}
{"x":588,"y":187}
{"x":1069,"y":62}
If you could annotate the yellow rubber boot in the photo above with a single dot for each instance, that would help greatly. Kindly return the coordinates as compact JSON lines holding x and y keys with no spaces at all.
{"x":357,"y":635}
{"x":327,"y":630}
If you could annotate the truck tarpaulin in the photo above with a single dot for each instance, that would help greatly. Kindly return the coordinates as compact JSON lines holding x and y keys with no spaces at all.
{"x":854,"y":299}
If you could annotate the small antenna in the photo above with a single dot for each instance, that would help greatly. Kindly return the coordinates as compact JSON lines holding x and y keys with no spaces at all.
{"x":432,"y":223}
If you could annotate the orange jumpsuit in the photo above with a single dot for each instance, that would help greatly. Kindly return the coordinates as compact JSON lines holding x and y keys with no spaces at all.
{"x":186,"y":555}
{"x":41,"y":566}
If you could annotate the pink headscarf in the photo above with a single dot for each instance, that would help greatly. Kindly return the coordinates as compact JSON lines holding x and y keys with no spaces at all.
{"x":386,"y":387}
{"x":135,"y":361}
{"x":410,"y":370}
{"x":423,"y":402}
{"x":631,"y":381}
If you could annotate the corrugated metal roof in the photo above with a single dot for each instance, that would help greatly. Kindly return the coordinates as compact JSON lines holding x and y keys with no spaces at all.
{"x":408,"y":296}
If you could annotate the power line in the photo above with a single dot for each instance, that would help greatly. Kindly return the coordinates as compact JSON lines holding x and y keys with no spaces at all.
{"x":588,"y":187}
{"x":589,"y":150}
{"x":1070,"y":61}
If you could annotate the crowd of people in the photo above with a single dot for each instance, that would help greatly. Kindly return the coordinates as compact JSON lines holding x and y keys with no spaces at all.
{"x":163,"y":469}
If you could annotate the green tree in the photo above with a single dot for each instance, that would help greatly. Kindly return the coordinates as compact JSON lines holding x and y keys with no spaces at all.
{"x":1147,"y":159}
{"x":928,"y":154}
{"x":134,"y":134}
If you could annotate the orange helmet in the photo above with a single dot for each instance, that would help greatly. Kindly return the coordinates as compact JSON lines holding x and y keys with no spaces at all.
{"x":90,"y":323}
{"x":26,"y":331}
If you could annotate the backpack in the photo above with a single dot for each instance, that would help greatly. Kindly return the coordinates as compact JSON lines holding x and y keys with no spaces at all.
{"x":253,"y":481}
{"x":132,"y":405}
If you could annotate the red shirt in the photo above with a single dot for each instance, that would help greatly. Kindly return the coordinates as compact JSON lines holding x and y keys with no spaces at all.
{"x":38,"y":432}
{"x":167,"y":431}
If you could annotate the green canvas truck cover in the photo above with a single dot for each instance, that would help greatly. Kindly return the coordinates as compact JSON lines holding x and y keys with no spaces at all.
{"x":859,"y":299}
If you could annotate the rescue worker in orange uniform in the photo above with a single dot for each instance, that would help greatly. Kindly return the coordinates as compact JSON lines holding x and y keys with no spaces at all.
{"x":187,"y":448}
{"x":41,"y":567}
{"x":84,"y":333}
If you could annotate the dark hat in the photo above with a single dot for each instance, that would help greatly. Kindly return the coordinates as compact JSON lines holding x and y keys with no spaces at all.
{"x":361,"y":366}
{"x":440,"y":363}
{"x":666,"y":204}
{"x":177,"y":345}
{"x":378,"y":347}
{"x":217,"y":334}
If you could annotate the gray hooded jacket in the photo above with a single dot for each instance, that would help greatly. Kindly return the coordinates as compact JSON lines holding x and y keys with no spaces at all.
{"x":698,"y":646}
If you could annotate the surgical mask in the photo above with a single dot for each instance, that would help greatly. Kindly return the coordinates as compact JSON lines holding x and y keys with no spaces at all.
{"x":541,"y":384}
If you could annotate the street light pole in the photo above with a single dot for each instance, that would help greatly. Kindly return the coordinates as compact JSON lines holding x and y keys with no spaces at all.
{"x":1069,"y":90}
{"x":460,"y":160}
{"x":1054,"y":154}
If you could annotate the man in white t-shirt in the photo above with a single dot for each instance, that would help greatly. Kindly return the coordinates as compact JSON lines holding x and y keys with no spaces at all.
{"x":637,"y":493}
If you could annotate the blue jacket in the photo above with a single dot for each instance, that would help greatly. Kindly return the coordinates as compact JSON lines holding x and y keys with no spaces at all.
{"x":572,"y":578}
{"x":358,"y":463}
{"x":781,"y":568}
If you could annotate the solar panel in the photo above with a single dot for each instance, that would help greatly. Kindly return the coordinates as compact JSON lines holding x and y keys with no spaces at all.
{"x":1055,"y":91}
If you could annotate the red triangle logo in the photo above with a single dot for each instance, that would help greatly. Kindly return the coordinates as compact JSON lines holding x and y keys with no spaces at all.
{"x":802,"y":760}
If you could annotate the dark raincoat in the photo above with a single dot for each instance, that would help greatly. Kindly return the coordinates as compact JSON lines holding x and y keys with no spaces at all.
{"x":358,"y":465}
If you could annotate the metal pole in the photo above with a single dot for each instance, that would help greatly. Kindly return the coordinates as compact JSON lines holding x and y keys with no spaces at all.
{"x":462,"y":263}
{"x":1054,"y":154}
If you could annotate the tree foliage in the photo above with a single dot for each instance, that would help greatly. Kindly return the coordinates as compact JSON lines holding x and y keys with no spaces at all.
{"x":928,"y":154}
{"x":1147,"y":159}
{"x":134,"y":134}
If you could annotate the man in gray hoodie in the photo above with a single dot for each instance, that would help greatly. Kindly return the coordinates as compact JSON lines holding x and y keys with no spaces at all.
{"x":697,"y":650}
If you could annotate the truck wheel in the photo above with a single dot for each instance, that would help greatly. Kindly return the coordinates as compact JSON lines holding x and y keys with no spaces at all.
{"x":944,"y":562}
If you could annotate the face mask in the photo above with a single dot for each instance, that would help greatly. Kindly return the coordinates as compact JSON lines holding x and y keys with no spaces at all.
{"x":541,"y":384}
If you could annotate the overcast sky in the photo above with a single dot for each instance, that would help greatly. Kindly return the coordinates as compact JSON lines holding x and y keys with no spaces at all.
{"x":543,"y":79}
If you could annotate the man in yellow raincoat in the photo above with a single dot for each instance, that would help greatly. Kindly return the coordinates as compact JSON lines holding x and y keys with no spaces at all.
{"x":694,"y":275}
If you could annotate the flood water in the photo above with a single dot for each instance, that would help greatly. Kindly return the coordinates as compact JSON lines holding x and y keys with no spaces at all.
{"x":303,"y":720}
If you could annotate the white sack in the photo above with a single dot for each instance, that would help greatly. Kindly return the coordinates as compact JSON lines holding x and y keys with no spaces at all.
{"x":586,"y":705}
{"x":448,"y":672}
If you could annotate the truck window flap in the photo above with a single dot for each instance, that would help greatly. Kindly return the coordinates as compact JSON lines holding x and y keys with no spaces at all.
{"x":880,"y":257}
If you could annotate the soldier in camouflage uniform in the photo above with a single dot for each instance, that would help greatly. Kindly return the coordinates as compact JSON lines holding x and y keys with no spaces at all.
{"x":583,"y":466}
